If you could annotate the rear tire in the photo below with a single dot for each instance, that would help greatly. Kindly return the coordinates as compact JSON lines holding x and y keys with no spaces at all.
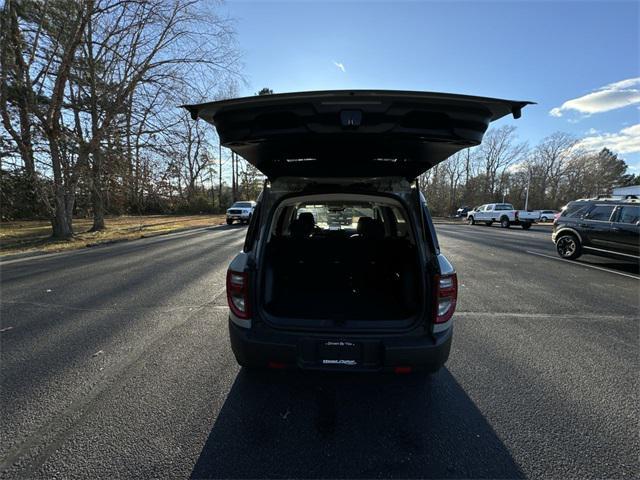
{"x":526,"y":226}
{"x":504,"y":222}
{"x":229,"y":221}
{"x":568,"y":247}
{"x":471,"y":221}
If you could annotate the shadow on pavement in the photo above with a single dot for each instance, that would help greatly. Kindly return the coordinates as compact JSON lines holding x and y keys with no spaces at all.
{"x":234,"y":226}
{"x":312,"y":425}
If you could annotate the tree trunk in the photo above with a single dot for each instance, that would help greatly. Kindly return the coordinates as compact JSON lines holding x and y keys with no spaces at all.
{"x":97,"y":197}
{"x":60,"y":223}
{"x":98,"y":211}
{"x":62,"y":220}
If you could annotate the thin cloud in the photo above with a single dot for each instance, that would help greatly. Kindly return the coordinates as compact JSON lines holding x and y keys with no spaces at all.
{"x":340,"y":66}
{"x":626,"y":140}
{"x":610,"y":97}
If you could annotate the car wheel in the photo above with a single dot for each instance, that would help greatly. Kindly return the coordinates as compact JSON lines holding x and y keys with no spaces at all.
{"x":504,"y":222}
{"x":526,"y":226}
{"x":471,"y":221}
{"x":568,"y":247}
{"x":229,"y":221}
{"x":544,"y":219}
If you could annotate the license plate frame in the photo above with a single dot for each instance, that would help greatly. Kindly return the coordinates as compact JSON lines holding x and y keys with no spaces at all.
{"x":340,"y":353}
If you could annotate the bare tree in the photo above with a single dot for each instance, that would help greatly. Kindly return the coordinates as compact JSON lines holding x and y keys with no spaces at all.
{"x":129,"y":43}
{"x":499,"y":150}
{"x":38,"y":54}
{"x":548,"y":162}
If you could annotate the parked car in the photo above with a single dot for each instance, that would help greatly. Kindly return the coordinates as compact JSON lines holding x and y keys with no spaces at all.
{"x":462,"y":212}
{"x":548,"y":215}
{"x":503,"y":213}
{"x":602,"y":226}
{"x":241,"y":212}
{"x":341,"y":267}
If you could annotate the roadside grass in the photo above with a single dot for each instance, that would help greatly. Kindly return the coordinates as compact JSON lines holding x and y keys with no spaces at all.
{"x":28,"y":236}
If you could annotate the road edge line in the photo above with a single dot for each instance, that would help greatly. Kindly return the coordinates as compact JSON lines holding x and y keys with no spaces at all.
{"x":583,"y":265}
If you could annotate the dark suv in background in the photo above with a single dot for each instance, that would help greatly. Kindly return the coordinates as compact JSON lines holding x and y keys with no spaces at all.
{"x":600,"y":226}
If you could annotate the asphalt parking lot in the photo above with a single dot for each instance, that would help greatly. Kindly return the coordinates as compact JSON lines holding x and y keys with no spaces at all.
{"x":115,"y":363}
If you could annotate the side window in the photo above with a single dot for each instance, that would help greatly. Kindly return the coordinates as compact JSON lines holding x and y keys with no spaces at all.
{"x":400,"y":222}
{"x":252,"y":231}
{"x":576,"y":210}
{"x":629,"y":215}
{"x":600,"y":213}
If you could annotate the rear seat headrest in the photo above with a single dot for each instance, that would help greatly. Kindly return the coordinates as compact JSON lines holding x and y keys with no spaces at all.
{"x":370,"y":228}
{"x":303,"y":225}
{"x":306,"y":219}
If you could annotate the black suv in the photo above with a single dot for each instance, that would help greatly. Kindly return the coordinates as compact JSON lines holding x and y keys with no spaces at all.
{"x":601,"y":226}
{"x":341,"y":268}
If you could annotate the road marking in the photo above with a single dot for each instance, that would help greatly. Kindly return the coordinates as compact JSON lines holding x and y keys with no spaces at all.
{"x":551,"y":316}
{"x":583,"y":265}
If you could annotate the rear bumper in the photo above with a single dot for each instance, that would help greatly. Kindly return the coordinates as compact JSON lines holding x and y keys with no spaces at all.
{"x":254,"y":348}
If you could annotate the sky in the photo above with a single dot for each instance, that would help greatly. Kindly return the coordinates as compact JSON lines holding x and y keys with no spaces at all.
{"x":579,"y":60}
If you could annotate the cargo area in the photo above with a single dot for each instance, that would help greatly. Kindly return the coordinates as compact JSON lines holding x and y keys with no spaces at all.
{"x":342,"y":260}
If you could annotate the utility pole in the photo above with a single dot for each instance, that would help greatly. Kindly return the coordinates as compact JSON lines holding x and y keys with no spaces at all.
{"x":213,"y":194}
{"x":234,"y":175}
{"x":220,"y":177}
{"x":526,"y":199}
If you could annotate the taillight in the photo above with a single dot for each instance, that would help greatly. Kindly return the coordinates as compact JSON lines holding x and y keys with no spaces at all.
{"x":446,"y":296}
{"x":238,"y":293}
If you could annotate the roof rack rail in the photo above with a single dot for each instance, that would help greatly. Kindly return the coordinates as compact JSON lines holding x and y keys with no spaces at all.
{"x":610,"y":198}
{"x":614,"y":197}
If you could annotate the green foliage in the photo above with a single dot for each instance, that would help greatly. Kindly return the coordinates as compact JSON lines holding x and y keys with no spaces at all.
{"x":17,"y":197}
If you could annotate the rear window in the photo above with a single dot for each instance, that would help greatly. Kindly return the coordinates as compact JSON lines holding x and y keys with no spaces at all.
{"x":504,"y":206}
{"x":601,"y":213}
{"x":335,"y":216}
{"x":629,"y":215}
{"x":343,"y":219}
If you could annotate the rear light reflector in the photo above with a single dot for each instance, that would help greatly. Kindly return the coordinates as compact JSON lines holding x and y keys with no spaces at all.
{"x":238,"y":293}
{"x":446,"y":296}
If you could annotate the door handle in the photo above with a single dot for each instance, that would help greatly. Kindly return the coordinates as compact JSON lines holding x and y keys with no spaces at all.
{"x":615,"y":229}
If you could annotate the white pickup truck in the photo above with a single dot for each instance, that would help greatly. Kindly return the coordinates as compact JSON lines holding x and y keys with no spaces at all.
{"x":241,"y":211}
{"x":503,"y":213}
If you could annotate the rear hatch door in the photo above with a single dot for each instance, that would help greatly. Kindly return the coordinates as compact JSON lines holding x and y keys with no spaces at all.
{"x":359,"y":133}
